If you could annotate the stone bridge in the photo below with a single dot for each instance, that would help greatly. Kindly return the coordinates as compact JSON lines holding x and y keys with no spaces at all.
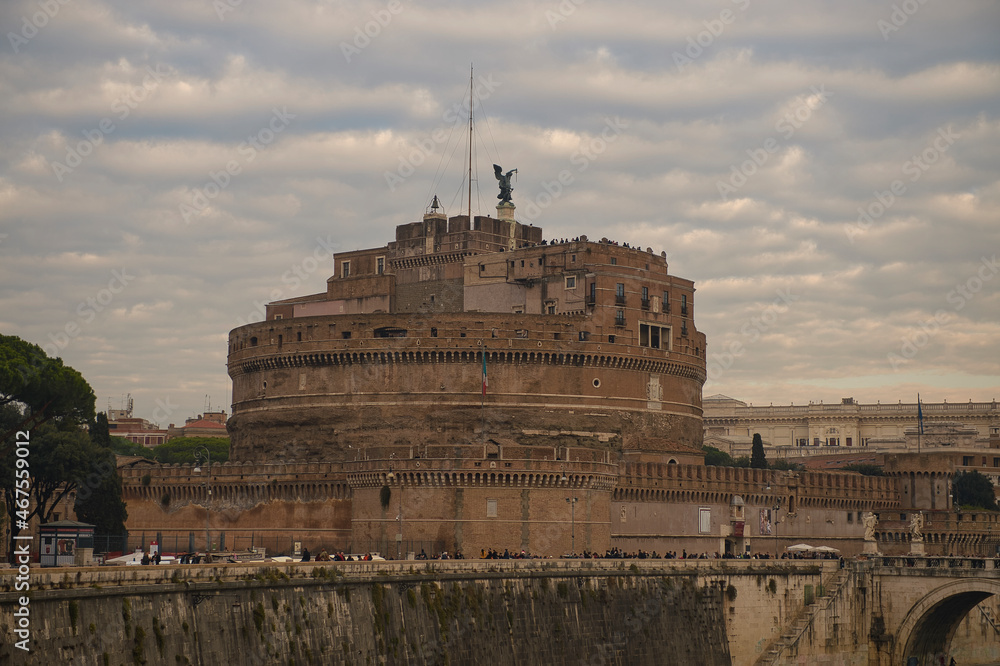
{"x":899,"y":608}
{"x":879,"y":611}
{"x":925,"y":600}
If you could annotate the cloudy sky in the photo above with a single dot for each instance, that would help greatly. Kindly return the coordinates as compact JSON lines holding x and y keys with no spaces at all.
{"x":827,"y":172}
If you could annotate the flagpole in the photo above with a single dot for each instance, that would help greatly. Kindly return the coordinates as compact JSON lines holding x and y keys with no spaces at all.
{"x":483,"y":398}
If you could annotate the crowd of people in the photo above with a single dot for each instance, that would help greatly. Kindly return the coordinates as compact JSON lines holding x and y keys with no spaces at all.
{"x":339,"y":556}
{"x":150,"y":558}
{"x":603,"y":241}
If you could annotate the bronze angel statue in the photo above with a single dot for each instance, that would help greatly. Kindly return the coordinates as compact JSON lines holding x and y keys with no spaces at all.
{"x":505,"y":187}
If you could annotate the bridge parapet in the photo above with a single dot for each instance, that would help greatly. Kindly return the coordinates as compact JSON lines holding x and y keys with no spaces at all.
{"x":943,"y":566}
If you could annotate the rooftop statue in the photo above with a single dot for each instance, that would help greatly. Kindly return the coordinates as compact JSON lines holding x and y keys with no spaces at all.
{"x":505,"y":187}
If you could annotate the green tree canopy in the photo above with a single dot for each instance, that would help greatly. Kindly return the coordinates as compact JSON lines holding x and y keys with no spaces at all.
{"x":47,"y":388}
{"x":716,"y":457}
{"x":973,"y":489}
{"x":50,"y":401}
{"x":182,"y":449}
{"x":757,"y":458}
{"x":123,"y":447}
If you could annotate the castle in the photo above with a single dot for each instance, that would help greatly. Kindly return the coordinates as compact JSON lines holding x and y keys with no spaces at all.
{"x":472,"y":385}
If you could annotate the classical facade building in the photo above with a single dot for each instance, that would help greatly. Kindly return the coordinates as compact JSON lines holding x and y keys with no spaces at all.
{"x":121,"y":423}
{"x":461,"y":330}
{"x":822,"y":429}
{"x":209,"y":424}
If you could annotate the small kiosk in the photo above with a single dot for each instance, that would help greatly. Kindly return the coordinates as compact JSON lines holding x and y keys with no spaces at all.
{"x":64,"y":541}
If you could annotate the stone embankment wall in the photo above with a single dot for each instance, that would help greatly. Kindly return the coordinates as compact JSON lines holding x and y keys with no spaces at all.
{"x":507,"y":612}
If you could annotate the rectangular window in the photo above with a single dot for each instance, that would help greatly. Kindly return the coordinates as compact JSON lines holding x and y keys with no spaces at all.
{"x":684,"y":304}
{"x":849,"y":441}
{"x":491,"y":508}
{"x":619,"y":318}
{"x":380,"y":265}
{"x":666,"y":301}
{"x":620,"y":293}
{"x":572,"y":257}
{"x":967,"y":461}
{"x":345,"y":269}
{"x":645,"y":293}
{"x":704,"y":520}
{"x":592,"y":296}
{"x":654,"y":336}
{"x":571,"y":282}
{"x":614,"y":261}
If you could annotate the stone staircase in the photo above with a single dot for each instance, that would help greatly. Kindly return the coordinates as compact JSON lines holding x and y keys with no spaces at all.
{"x":794,"y":629}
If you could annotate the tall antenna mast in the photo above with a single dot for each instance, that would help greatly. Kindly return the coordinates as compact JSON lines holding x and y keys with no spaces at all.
{"x":471,"y":105}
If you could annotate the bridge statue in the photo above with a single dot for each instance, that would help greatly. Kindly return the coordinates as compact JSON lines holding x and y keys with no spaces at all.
{"x":505,"y":186}
{"x":870,"y":521}
{"x":917,"y":526}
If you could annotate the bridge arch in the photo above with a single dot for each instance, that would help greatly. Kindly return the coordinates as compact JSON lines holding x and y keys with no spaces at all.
{"x":929,"y":626}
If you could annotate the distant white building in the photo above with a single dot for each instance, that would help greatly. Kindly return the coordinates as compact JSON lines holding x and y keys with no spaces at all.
{"x":816,"y":428}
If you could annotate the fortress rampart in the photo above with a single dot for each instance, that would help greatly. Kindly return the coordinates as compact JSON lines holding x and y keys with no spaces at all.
{"x":318,"y":387}
{"x":515,"y":497}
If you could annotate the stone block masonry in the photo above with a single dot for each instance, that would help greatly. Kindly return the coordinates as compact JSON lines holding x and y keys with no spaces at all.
{"x":506,"y":612}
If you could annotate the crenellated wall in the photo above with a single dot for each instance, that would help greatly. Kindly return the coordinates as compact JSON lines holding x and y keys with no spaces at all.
{"x":520,"y":497}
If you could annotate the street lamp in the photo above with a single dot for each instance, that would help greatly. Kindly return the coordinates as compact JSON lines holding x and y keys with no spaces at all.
{"x":572,"y":506}
{"x":198,"y":453}
{"x":777,"y":505}
{"x":390,"y":477}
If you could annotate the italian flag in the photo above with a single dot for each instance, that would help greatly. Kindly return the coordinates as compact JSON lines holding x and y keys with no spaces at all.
{"x":485,"y":380}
